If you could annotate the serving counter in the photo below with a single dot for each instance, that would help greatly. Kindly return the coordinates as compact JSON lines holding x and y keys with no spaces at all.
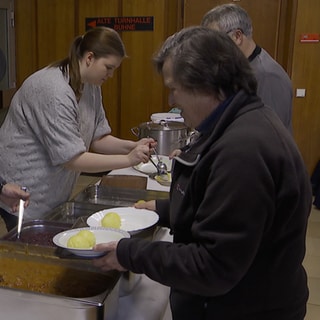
{"x":152,"y":184}
{"x":122,"y":296}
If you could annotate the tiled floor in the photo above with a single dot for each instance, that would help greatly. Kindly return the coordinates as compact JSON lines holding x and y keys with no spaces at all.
{"x":311,"y":262}
{"x":312,"y":265}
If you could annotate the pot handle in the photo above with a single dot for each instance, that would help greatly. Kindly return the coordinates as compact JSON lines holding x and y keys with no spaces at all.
{"x":135,"y":131}
{"x":164,"y":123}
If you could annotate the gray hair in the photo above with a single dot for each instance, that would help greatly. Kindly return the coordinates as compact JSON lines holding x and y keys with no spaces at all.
{"x":228,"y":17}
{"x":169,"y":45}
{"x":208,"y":61}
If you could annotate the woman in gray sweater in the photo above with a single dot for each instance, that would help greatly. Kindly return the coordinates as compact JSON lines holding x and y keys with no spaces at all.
{"x":56,"y":125}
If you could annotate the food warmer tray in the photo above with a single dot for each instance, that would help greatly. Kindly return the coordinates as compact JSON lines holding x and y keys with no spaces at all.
{"x":117,"y":197}
{"x":70,"y":211}
{"x":37,"y":232}
{"x":35,"y":283}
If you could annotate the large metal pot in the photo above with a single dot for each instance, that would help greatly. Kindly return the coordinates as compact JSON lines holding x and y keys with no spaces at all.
{"x":169,"y":135}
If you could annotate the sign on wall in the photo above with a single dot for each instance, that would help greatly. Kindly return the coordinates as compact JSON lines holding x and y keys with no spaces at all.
{"x":310,"y":38}
{"x":122,"y":23}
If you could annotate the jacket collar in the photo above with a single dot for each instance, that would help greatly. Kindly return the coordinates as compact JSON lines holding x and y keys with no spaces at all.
{"x":216,"y":124}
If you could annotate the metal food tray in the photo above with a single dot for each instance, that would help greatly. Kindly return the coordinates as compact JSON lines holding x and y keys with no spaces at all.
{"x":37,"y":232}
{"x":70,"y":211}
{"x":117,"y":197}
{"x":20,"y":304}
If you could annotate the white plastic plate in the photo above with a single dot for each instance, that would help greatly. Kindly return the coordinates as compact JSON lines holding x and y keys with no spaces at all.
{"x":132,"y":220}
{"x":102,"y":235}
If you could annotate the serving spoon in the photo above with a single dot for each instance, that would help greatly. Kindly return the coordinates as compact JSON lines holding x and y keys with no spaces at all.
{"x":161,"y":166}
{"x":156,"y":166}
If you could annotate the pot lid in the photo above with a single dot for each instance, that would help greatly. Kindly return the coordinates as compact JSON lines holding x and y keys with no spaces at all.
{"x":169,"y":116}
{"x":164,"y":125}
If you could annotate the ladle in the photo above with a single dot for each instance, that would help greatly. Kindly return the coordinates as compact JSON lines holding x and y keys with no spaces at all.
{"x":161,"y":166}
{"x":154,"y":164}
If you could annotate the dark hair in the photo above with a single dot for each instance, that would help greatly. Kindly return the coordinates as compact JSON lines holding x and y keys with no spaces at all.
{"x":101,"y":41}
{"x":207,"y":60}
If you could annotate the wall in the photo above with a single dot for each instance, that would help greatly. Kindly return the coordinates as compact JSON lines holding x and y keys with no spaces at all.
{"x":261,"y":12}
{"x":45,"y":28}
{"x":305,"y":74}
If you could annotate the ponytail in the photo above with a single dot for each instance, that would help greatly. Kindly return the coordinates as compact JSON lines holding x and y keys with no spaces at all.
{"x":74,"y":70}
{"x":101,"y":41}
{"x":71,"y":64}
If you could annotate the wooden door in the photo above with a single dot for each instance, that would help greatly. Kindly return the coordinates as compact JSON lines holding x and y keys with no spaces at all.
{"x":135,"y":91}
{"x":142,"y":90}
{"x":26,"y":39}
{"x":46,"y":28}
{"x":306,"y":75}
{"x":44,"y":31}
{"x":267,"y":18}
{"x":55,"y":31}
{"x":111,"y":88}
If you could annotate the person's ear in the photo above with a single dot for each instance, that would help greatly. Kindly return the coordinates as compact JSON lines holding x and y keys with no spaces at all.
{"x":238,"y":36}
{"x":89,"y":58}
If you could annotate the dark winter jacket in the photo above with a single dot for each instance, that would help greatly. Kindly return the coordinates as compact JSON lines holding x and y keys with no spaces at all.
{"x":239,"y":204}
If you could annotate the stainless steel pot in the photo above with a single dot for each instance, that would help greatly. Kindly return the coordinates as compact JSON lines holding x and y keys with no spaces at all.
{"x":169,"y":135}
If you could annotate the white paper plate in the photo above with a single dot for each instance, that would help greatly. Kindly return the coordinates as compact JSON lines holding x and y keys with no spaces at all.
{"x":103,"y":235}
{"x":132,"y":220}
{"x":149,"y":168}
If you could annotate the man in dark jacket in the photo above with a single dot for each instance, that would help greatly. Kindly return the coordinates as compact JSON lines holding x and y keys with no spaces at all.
{"x":239,"y":200}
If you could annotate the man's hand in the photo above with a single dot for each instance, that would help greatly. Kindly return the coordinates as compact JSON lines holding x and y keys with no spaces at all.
{"x":110,"y":260}
{"x":11,"y":195}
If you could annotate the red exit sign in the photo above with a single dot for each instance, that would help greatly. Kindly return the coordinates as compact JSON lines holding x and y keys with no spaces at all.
{"x":309,"y":37}
{"x":122,"y":23}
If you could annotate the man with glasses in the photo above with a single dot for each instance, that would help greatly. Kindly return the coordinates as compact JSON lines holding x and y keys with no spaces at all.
{"x":274,"y":84}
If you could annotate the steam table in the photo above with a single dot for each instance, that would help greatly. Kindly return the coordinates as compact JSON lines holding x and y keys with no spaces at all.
{"x":148,"y":299}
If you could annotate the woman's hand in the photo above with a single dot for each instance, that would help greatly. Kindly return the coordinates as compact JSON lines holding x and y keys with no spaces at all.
{"x":141,"y":153}
{"x":110,"y":260}
{"x":147,"y":141}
